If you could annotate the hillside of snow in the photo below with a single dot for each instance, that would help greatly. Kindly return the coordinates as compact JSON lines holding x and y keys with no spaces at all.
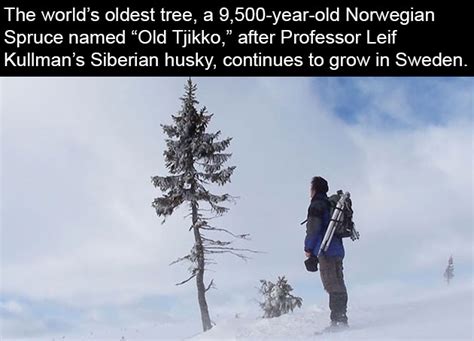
{"x":441,"y":315}
{"x":447,"y":316}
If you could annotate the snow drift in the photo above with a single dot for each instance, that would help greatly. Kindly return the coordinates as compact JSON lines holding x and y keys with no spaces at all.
{"x":445,"y":316}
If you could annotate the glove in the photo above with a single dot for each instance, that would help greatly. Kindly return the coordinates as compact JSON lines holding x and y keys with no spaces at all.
{"x":311,"y":264}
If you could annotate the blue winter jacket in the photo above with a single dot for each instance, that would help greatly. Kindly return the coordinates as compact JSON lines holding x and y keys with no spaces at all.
{"x":316,"y":226}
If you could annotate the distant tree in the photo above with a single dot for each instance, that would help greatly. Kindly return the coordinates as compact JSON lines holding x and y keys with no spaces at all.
{"x":449,"y":272}
{"x":277,"y":298}
{"x":195,"y":158}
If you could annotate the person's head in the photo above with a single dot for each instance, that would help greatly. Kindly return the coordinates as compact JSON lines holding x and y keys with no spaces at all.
{"x":318,"y":185}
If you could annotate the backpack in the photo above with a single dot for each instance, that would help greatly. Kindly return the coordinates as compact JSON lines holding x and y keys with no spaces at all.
{"x":345,"y":227}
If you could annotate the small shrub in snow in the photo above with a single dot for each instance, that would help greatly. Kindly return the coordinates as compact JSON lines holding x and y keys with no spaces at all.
{"x":278,"y":299}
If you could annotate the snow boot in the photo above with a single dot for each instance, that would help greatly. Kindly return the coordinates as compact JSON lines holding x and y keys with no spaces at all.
{"x":338,"y":306}
{"x":334,"y":327}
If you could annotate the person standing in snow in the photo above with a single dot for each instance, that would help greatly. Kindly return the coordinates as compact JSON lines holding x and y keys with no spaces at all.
{"x":330,"y":262}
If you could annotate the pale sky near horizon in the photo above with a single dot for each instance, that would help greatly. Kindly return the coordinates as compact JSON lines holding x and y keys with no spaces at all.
{"x":82,"y":248}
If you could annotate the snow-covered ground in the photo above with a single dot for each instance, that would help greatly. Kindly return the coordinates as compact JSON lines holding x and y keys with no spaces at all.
{"x":441,"y":315}
{"x":448,"y":316}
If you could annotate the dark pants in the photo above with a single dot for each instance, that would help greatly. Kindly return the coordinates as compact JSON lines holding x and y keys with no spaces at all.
{"x":332,"y":277}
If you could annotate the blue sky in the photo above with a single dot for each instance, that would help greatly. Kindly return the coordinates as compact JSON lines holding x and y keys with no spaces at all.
{"x":82,"y":249}
{"x":423,"y":97}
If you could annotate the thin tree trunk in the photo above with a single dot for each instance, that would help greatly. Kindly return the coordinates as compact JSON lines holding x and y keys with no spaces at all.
{"x":205,"y":318}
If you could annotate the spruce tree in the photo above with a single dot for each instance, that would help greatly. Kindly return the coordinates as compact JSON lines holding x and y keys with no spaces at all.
{"x":449,"y":272}
{"x":277,"y":298}
{"x":196,"y":160}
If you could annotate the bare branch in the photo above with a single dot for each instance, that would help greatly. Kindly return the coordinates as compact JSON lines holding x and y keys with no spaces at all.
{"x":240,"y":236}
{"x":199,"y":224}
{"x":186,"y":280}
{"x":210,"y":218}
{"x":188,"y":257}
{"x":234,"y":251}
{"x":224,"y":248}
{"x":241,"y":256}
{"x":213,"y":242}
{"x":211,"y":285}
